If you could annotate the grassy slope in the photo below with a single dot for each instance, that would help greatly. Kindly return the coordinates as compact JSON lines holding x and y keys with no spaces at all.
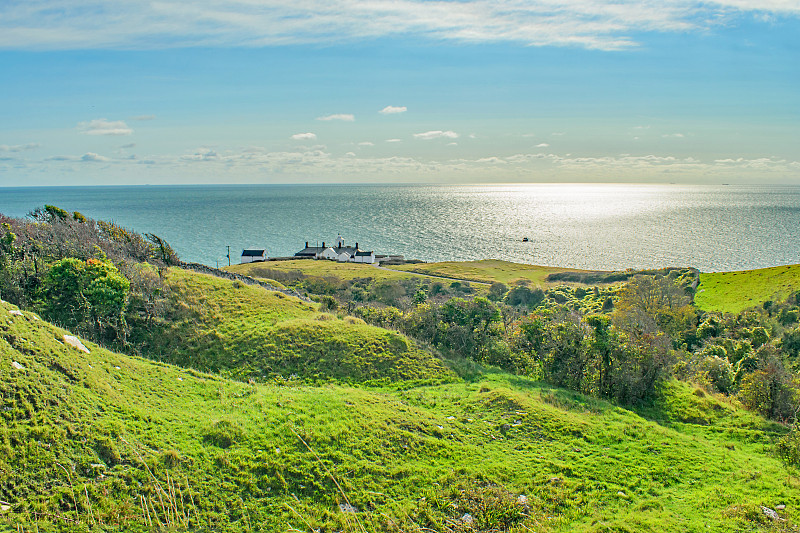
{"x":344,"y":271}
{"x":418,"y":457}
{"x":220,"y":325}
{"x":734,"y":291}
{"x":487,"y":271}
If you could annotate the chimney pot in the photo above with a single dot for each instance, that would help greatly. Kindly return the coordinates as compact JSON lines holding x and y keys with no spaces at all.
{"x":306,"y":244}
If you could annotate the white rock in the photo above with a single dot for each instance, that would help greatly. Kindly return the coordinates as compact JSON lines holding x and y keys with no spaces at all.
{"x":770,"y":513}
{"x":17,"y":366}
{"x":5,"y":508}
{"x":780,"y":507}
{"x":15,"y":312}
{"x":76,"y":343}
{"x":347,"y":508}
{"x":467,"y":518}
{"x":522,"y":499}
{"x":118,"y":368}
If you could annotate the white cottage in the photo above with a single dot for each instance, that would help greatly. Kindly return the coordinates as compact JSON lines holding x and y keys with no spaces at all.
{"x":340,"y":252}
{"x":364,"y":257}
{"x":251,"y":256}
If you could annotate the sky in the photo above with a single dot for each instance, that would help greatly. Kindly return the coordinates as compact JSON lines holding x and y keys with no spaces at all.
{"x":102,"y":92}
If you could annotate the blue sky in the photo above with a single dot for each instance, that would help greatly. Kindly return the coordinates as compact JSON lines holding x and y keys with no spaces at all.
{"x":253,"y":91}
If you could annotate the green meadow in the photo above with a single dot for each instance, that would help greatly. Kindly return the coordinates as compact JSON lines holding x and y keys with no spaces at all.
{"x":732,"y":292}
{"x":487,"y":271}
{"x":103,"y":441}
{"x":321,"y":268}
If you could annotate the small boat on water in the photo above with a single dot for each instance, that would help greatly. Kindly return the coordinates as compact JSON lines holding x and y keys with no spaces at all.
{"x":525,"y":239}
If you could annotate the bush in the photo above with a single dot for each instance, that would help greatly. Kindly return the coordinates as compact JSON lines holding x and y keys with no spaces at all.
{"x":788,"y":447}
{"x":523,"y":296}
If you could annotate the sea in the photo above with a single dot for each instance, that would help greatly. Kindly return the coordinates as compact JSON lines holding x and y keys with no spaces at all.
{"x":587,"y":226}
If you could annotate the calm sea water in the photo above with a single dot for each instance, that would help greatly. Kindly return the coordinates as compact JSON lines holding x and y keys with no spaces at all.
{"x":582,"y":226}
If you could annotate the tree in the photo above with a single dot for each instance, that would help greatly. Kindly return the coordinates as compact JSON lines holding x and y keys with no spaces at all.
{"x":87,"y":295}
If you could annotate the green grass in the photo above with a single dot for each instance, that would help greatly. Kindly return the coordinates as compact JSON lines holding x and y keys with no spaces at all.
{"x":732,"y":292}
{"x":320,"y":268}
{"x":487,"y":271}
{"x":96,"y":438}
{"x":218,"y":325}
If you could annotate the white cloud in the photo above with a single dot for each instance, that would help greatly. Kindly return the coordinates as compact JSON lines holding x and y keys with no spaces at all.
{"x":394,"y":140}
{"x":142,"y":24}
{"x":542,"y":145}
{"x":366,"y":143}
{"x":129,"y":145}
{"x":103,"y":126}
{"x":304,"y":136}
{"x":351,"y":154}
{"x":19,"y":147}
{"x":393,"y":110}
{"x":437,"y":134}
{"x":144,"y":117}
{"x":452,"y":144}
{"x":340,"y":116}
{"x":673,"y":136}
{"x":202,"y":154}
{"x":94,"y":158}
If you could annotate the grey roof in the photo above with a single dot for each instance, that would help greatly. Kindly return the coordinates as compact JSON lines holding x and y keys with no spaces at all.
{"x":253,"y":253}
{"x":314,"y":250}
{"x":311,"y":250}
{"x":362,"y":253}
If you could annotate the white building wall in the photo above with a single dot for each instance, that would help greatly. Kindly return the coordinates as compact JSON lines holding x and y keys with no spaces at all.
{"x":328,"y":253}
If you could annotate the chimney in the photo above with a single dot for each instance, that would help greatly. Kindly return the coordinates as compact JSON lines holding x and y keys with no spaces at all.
{"x":323,"y":244}
{"x":306,"y":244}
{"x":356,"y":246}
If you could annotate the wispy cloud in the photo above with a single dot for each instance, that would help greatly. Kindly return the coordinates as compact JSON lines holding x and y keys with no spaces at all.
{"x":319,"y":163}
{"x":366,"y":143}
{"x":341,"y":116}
{"x":304,"y":136}
{"x":542,"y":145}
{"x":103,"y":126}
{"x":19,"y":147}
{"x":141,"y":24}
{"x":144,"y":117}
{"x":673,"y":136}
{"x":394,"y":140}
{"x":393,"y":110}
{"x":437,"y":134}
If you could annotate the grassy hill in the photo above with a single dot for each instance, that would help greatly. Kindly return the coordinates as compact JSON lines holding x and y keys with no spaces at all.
{"x":109,"y":442}
{"x":487,"y":271}
{"x":344,"y":271}
{"x":217,"y":325}
{"x":732,"y":292}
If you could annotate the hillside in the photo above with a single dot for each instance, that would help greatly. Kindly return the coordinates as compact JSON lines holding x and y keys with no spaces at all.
{"x":487,"y":271}
{"x":306,"y":267}
{"x":217,"y":325}
{"x":732,"y":292}
{"x":104,"y":439}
